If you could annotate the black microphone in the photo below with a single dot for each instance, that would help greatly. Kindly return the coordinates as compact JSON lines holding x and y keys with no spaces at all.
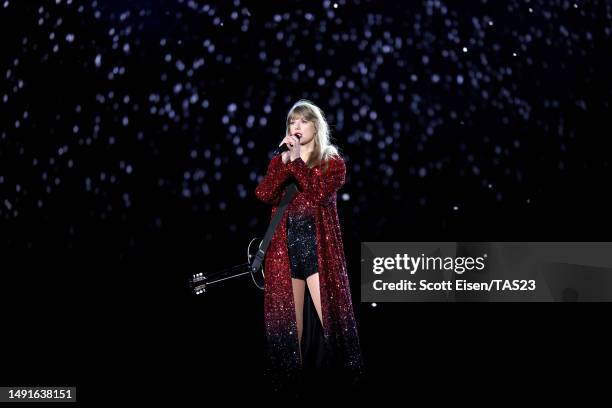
{"x":283,"y":148}
{"x":280,"y":149}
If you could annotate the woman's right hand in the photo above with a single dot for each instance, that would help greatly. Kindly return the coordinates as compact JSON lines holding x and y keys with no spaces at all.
{"x":285,"y":155}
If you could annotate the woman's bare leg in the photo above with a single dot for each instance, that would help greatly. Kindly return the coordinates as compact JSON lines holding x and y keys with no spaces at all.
{"x":315,"y":293}
{"x":298,"y":299}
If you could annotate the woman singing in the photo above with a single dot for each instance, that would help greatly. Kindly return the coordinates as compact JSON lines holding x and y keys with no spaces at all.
{"x":307,"y":303}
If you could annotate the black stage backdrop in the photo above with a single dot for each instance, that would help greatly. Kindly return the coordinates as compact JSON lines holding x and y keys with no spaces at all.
{"x":133,"y":135}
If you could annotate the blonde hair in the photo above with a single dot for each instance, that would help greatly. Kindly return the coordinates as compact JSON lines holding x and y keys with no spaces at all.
{"x":324,"y":149}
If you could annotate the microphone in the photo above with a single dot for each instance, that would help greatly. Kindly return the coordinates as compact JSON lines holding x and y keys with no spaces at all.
{"x":283,"y":148}
{"x":280,"y":149}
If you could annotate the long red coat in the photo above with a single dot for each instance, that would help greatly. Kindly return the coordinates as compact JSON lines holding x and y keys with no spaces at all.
{"x":318,"y":188}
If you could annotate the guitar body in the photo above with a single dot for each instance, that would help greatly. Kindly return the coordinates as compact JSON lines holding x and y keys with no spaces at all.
{"x":257,"y":275}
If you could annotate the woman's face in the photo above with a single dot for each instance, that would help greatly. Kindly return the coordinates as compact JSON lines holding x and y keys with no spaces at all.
{"x":305,"y":129}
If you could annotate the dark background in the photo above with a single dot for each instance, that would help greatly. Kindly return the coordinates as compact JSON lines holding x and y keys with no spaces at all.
{"x":133,"y":135}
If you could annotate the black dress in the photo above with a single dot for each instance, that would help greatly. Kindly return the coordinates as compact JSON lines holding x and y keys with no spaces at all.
{"x":302,"y":246}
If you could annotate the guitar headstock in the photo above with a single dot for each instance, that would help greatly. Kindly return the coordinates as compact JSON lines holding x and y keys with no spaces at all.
{"x":198,"y":283}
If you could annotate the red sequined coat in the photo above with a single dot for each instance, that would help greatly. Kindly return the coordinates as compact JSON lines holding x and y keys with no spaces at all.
{"x":318,"y":188}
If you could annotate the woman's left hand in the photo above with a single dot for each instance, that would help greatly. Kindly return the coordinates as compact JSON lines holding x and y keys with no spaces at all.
{"x":294,"y":148}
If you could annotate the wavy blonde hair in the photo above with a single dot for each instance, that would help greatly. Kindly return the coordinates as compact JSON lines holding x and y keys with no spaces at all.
{"x":324,"y":149}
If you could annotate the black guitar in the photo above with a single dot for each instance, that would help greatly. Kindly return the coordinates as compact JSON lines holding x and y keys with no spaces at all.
{"x":256,"y":251}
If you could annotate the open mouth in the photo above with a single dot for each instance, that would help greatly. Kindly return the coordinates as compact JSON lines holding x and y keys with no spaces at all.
{"x":298,"y":135}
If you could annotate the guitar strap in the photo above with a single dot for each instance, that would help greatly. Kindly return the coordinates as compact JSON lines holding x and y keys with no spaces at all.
{"x":289,"y":193}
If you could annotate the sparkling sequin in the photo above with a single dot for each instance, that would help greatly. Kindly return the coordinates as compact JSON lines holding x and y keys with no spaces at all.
{"x":318,"y":188}
{"x":302,"y":246}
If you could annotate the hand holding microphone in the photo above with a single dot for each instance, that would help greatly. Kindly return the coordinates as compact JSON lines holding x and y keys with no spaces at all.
{"x":290,"y":147}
